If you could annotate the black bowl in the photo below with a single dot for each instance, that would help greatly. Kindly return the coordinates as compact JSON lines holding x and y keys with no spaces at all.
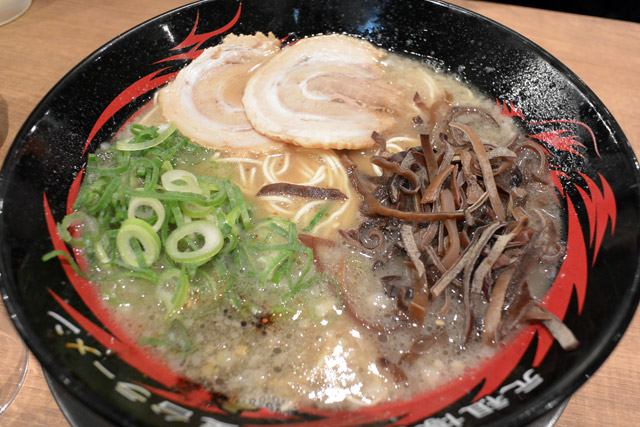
{"x":596,"y":174}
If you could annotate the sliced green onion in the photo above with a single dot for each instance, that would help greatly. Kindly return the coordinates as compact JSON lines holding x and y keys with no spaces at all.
{"x":173,"y":288}
{"x":176,"y":214}
{"x":208,"y":281}
{"x":273,"y":266}
{"x":86,"y":224}
{"x":221,"y":268}
{"x":307,"y":267}
{"x":231,"y":295}
{"x":238,"y":205}
{"x":132,"y":144}
{"x":281,"y":247}
{"x":279,"y":230}
{"x":101,"y":253}
{"x":195,"y":210}
{"x":134,"y":228}
{"x":72,"y":262}
{"x":181,"y":181}
{"x":179,"y":143}
{"x":232,"y":218}
{"x":103,"y":198}
{"x":211,"y":234}
{"x":174,"y":196}
{"x":166,"y":166}
{"x":316,"y":218}
{"x":121,"y":166}
{"x":155,"y":220}
{"x":232,"y":240}
{"x":283,"y":271}
{"x":299,"y":287}
{"x":141,"y":130}
{"x":155,"y":204}
{"x":145,"y":170}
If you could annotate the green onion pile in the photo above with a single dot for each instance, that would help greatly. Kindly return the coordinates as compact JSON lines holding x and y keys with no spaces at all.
{"x":154,"y":207}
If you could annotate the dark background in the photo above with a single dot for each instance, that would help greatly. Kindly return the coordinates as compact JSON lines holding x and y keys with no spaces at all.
{"x":627,"y":10}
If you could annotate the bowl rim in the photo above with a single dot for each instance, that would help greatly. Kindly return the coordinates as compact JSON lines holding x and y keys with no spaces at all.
{"x":608,"y":337}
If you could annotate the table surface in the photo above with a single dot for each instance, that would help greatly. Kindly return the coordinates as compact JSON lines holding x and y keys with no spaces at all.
{"x":40,"y":47}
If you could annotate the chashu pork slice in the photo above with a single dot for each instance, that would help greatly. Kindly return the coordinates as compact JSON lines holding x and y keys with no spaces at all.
{"x":322,"y":92}
{"x":205,"y":99}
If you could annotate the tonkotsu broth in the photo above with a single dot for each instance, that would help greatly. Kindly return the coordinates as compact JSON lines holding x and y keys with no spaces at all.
{"x":311,"y":351}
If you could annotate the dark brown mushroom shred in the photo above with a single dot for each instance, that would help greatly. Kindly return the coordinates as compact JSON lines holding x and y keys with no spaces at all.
{"x":297,"y":190}
{"x":461,"y":212}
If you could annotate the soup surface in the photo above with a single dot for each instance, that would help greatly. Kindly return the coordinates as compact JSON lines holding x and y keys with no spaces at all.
{"x":325,"y":224}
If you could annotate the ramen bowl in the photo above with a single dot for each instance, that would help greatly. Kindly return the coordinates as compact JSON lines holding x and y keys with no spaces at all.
{"x":81,"y":347}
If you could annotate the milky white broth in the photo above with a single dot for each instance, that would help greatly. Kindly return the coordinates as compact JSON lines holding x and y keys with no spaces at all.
{"x":315,"y":353}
